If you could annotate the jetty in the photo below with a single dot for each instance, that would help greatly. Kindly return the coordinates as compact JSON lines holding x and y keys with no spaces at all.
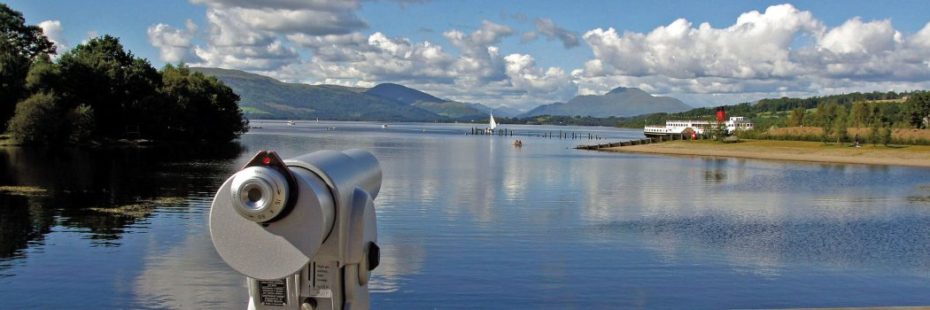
{"x":614,"y":144}
{"x":649,"y":139}
{"x":561,"y":135}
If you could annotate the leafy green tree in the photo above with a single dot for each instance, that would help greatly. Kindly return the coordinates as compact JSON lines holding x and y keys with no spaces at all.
{"x":80,"y":122}
{"x":19,"y":45}
{"x":875,"y":133}
{"x":859,"y":116}
{"x":825,"y":114}
{"x":886,"y":136}
{"x":796,"y":118}
{"x":100,"y":90}
{"x":37,"y":120}
{"x":116,"y":84}
{"x":918,"y":106}
{"x":22,"y":39}
{"x":840,"y":124}
{"x":44,"y":75}
{"x":203,"y":107}
{"x":13,"y":70}
{"x":718,"y":131}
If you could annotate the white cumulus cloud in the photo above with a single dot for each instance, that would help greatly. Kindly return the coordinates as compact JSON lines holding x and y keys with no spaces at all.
{"x":779,"y":51}
{"x":174,"y":45}
{"x":53,"y":31}
{"x":251,"y":35}
{"x":782,"y":50}
{"x":523,"y":74}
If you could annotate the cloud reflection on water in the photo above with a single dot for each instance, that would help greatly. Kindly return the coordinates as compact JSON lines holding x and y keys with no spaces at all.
{"x":561,"y":227}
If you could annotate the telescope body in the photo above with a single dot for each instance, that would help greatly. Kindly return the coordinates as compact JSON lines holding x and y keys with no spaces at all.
{"x":303,"y":230}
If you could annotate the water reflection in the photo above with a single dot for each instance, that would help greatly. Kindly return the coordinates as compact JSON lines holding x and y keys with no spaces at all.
{"x":763,"y":246}
{"x":22,"y":220}
{"x":99,"y":191}
{"x":400,"y":259}
{"x":470,"y":221}
{"x":188,"y":275}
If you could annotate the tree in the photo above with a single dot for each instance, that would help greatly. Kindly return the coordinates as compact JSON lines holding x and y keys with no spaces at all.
{"x":19,"y":45}
{"x":204,"y":108}
{"x":22,"y":39}
{"x":796,"y":118}
{"x":116,"y":84}
{"x":80,"y":123}
{"x":859,"y":115}
{"x":44,"y":75}
{"x":718,"y":131}
{"x":886,"y":136}
{"x":874,"y":133}
{"x":13,"y":70}
{"x":918,"y":106}
{"x":37,"y":120}
{"x":825,"y":114}
{"x":840,"y":124}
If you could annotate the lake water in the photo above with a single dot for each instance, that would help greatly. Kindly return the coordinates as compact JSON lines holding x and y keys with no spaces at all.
{"x":472,"y":222}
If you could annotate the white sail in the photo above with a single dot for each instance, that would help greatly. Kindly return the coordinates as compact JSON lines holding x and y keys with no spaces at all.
{"x":493,"y":123}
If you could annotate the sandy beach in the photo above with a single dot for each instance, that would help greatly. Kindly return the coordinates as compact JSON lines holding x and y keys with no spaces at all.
{"x":905,"y":155}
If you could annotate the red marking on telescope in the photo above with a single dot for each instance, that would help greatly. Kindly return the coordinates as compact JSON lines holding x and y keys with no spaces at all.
{"x":266,"y":160}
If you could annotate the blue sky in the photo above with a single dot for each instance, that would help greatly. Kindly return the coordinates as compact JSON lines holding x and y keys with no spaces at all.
{"x":524,"y":53}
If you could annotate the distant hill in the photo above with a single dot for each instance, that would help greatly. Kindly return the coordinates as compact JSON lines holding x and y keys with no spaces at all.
{"x":447,"y":108}
{"x":265,"y":97}
{"x":498,"y":112}
{"x":620,"y":101}
{"x":401,"y":93}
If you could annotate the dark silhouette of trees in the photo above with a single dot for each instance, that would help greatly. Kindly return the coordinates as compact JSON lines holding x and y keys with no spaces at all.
{"x":190,"y":96}
{"x":117,"y":85}
{"x":100,"y":92}
{"x":38,"y":120}
{"x":25,"y":40}
{"x":19,"y":45}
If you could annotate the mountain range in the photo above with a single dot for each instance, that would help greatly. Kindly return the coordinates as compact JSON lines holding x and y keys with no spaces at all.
{"x":445,"y":108}
{"x":620,"y":101}
{"x":265,"y":97}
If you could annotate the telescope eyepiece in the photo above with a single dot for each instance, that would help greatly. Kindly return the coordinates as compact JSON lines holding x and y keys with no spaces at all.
{"x":259,"y":194}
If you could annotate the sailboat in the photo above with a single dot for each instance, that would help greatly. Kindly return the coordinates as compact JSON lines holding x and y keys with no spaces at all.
{"x":492,"y":124}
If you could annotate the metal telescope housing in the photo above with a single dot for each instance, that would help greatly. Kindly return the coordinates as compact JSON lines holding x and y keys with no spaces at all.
{"x":303,"y":230}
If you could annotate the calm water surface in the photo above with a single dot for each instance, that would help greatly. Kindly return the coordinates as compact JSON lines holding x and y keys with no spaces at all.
{"x":472,"y":222}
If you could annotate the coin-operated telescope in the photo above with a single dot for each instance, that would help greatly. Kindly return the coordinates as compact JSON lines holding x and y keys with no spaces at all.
{"x":303,"y":231}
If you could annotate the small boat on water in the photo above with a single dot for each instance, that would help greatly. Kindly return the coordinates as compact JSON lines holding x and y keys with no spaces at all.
{"x":384,"y":126}
{"x":491,"y":124}
{"x":291,"y":123}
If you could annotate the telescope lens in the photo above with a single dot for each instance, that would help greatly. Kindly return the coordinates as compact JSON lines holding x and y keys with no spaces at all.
{"x":259,"y":193}
{"x":252,"y":194}
{"x":255,"y":194}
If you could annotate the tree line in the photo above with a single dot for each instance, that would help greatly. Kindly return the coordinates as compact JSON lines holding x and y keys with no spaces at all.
{"x":878,"y":118}
{"x":98,"y":92}
{"x":873,"y":116}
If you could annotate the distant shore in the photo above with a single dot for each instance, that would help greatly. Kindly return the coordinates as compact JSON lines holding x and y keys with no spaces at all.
{"x":906,"y":155}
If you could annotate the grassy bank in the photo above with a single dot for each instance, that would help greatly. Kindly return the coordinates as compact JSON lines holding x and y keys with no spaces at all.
{"x":910,"y":155}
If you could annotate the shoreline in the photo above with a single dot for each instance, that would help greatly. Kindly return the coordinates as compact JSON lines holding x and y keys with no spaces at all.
{"x":797,"y":151}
